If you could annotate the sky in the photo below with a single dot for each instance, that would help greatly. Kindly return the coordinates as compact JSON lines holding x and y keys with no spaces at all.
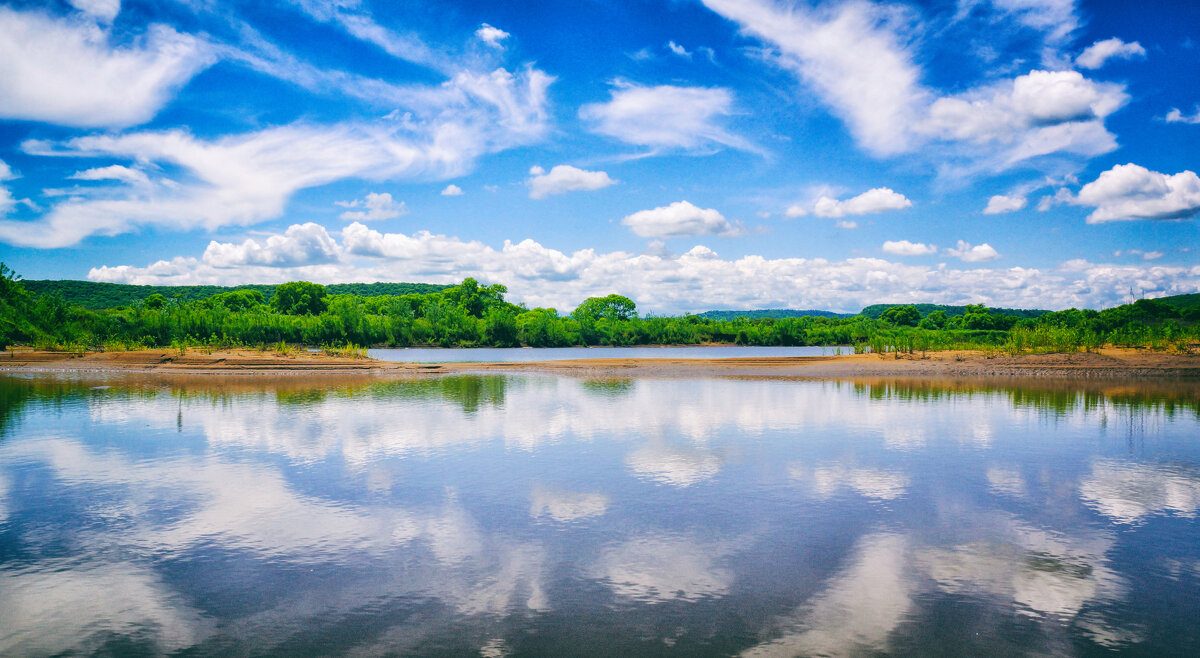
{"x":690,"y":154}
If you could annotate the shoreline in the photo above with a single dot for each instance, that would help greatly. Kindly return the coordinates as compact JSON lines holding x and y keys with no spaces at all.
{"x":1105,"y":364}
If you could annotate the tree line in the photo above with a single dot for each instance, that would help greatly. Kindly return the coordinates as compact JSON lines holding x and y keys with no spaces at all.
{"x":471,"y":314}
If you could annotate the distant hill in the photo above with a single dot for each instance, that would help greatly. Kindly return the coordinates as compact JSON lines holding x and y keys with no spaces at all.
{"x":93,"y":295}
{"x":1182,"y":301}
{"x":771,"y":313}
{"x":875,"y":310}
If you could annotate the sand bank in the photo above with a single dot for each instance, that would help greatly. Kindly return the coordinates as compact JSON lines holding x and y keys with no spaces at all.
{"x":1110,"y":363}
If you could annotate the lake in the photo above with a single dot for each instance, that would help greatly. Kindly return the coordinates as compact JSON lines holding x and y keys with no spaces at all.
{"x":537,"y":515}
{"x":525,"y":354}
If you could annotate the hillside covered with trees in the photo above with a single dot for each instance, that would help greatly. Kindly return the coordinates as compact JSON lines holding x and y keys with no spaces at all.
{"x":470,"y":314}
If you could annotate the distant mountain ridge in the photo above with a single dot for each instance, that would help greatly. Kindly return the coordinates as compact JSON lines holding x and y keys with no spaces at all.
{"x":94,"y":295}
{"x":1182,"y":302}
{"x":776,"y":313}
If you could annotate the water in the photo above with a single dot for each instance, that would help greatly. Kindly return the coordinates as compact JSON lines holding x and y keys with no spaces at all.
{"x":523,"y":354}
{"x":545,"y":515}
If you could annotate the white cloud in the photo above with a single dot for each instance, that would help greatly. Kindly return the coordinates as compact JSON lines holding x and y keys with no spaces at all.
{"x":104,"y":10}
{"x":845,"y":224}
{"x":1130,"y":191}
{"x":452,"y":190}
{"x":1000,"y":204}
{"x":1036,"y":114}
{"x":492,"y":36}
{"x":666,"y":283}
{"x":1175,"y":116}
{"x":66,"y":72}
{"x":973,"y":254}
{"x":300,"y":245}
{"x":665,"y":117}
{"x":1097,"y":54}
{"x":678,"y":50}
{"x":880,"y":199}
{"x":795,"y":210}
{"x":678,"y":220}
{"x":362,"y":26}
{"x":565,"y":178}
{"x":6,"y":198}
{"x":244,"y":179}
{"x":377,"y":207}
{"x":113,"y":172}
{"x":850,"y":55}
{"x":1056,"y":19}
{"x":906,"y":248}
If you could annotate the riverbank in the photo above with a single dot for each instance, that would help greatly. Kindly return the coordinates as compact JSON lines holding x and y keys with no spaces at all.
{"x":1108,"y":364}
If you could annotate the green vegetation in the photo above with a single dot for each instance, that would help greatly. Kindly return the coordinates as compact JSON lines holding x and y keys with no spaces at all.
{"x":470,"y":314}
{"x":98,"y":296}
{"x":776,"y":313}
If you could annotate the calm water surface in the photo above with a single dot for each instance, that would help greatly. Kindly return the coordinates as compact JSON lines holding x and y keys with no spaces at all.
{"x":522,"y":354}
{"x":541,"y":515}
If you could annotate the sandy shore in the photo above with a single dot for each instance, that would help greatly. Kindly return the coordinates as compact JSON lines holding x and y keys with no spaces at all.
{"x":1108,"y":364}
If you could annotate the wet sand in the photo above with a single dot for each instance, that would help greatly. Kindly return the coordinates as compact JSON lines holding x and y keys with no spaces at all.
{"x":1106,"y":364}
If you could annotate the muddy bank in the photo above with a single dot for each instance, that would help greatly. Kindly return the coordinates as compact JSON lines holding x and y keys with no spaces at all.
{"x":1107,"y":364}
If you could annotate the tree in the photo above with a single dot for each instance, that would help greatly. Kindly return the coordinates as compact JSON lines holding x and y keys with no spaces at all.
{"x":156,"y":301}
{"x":238,"y":300}
{"x":612,"y":307}
{"x":299,"y":298}
{"x":935,"y":320}
{"x":901,"y":316}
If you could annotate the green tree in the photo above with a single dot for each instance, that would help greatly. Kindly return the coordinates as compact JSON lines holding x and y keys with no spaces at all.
{"x":299,"y":298}
{"x":612,"y":307}
{"x":935,"y":320}
{"x":238,"y":300}
{"x":902,"y":316}
{"x":156,"y":301}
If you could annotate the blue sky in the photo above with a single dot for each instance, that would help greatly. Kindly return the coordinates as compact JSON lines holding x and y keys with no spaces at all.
{"x":692,"y":154}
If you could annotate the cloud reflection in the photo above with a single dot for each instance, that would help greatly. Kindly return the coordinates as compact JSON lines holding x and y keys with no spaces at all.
{"x":1128,"y":492}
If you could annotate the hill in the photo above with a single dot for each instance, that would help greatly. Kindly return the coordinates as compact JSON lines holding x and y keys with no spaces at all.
{"x":94,"y":295}
{"x":875,"y":310}
{"x":1183,"y":302}
{"x":770,"y":313}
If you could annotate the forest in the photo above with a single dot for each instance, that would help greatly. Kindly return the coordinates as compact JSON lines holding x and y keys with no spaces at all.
{"x":470,"y":314}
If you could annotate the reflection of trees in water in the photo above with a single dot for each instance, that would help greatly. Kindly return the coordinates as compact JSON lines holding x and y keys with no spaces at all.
{"x":1057,"y":398}
{"x":611,"y":387}
{"x":17,"y":393}
{"x":468,"y":391}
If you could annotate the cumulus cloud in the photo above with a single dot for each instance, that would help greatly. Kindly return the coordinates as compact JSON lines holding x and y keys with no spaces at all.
{"x":452,"y":190}
{"x":375,"y":207}
{"x":6,"y":198}
{"x":663,"y":282}
{"x":973,"y":254}
{"x":665,"y":117}
{"x":795,"y":210}
{"x":880,"y":199}
{"x":492,"y":36}
{"x":67,"y":73}
{"x":678,"y":220}
{"x":114,"y":172}
{"x":1175,"y":116}
{"x":906,"y":248}
{"x":851,"y":55}
{"x":1000,"y":204}
{"x":565,"y":178}
{"x":1097,"y":54}
{"x":249,"y":178}
{"x":1036,"y":114}
{"x":104,"y":10}
{"x":1130,"y":191}
{"x":300,"y":245}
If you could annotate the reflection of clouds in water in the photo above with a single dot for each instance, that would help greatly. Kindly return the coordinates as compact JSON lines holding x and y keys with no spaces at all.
{"x":858,"y":609}
{"x":1128,"y":492}
{"x":1006,"y":482}
{"x":236,"y":506}
{"x":564,"y":506}
{"x":657,"y":569}
{"x":678,"y":466}
{"x":1043,"y":572}
{"x":64,"y":609}
{"x":874,"y":483}
{"x":900,"y":437}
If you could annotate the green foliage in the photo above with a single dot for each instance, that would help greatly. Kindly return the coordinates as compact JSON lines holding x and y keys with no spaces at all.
{"x":612,"y":307}
{"x":902,"y":316}
{"x":876,"y":310}
{"x":155,"y":302}
{"x":299,"y":298}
